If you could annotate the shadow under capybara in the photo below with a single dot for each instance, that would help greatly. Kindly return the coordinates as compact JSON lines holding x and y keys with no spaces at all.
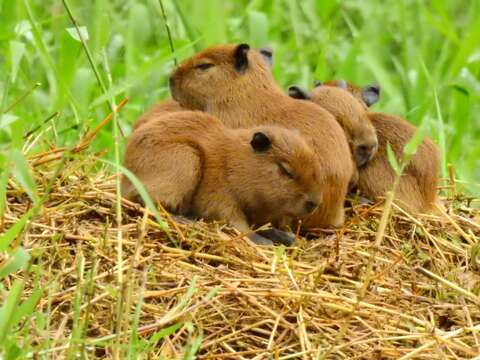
{"x":194,"y":165}
{"x":417,"y":188}
{"x":236,"y":85}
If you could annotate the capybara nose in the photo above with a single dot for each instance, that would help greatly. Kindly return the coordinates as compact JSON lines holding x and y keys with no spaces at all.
{"x":310,"y":206}
{"x":171,"y":82}
{"x":364,"y":153}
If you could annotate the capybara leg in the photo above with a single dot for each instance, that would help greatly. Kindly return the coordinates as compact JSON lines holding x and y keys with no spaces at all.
{"x":242,"y":226}
{"x":259,"y":239}
{"x":278,"y":236}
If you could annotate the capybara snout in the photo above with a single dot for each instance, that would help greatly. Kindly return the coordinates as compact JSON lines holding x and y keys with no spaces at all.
{"x":365,"y":151}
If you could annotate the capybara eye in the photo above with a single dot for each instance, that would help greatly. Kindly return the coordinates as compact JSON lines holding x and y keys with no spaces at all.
{"x":286,"y":170}
{"x":204,"y":66}
{"x":260,"y":142}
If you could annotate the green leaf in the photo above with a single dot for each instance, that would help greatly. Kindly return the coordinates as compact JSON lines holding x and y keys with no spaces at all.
{"x":7,"y":119}
{"x":22,"y":172}
{"x":279,"y":252}
{"x":325,"y":8}
{"x":74,"y":33}
{"x":28,"y":306}
{"x":474,"y":57}
{"x":17,"y":51}
{"x":139,"y":25}
{"x":184,"y":300}
{"x":141,"y":191}
{"x":22,"y":27}
{"x":258,"y":28}
{"x":7,"y":311}
{"x":393,"y":160}
{"x":67,"y":64}
{"x":411,"y":147}
{"x":3,"y":190}
{"x":157,"y":336}
{"x":12,"y":351}
{"x":193,"y":346}
{"x":18,"y":260}
{"x":12,"y":233}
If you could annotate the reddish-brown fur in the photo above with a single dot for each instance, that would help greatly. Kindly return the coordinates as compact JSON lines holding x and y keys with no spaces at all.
{"x":248,"y":96}
{"x":417,"y":189}
{"x":356,"y":91}
{"x":350,"y":113}
{"x":170,"y":105}
{"x":193,"y":165}
{"x":158,"y":109}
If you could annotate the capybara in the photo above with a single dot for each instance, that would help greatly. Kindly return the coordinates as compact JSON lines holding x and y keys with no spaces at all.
{"x":350,"y":113}
{"x":236,"y":85}
{"x":417,"y":187}
{"x":194,"y":165}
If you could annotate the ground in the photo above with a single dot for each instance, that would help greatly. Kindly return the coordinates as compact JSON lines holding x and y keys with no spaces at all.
{"x":173,"y":290}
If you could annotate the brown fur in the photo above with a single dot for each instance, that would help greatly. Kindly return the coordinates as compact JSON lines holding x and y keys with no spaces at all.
{"x":170,"y":105}
{"x":249,"y":97}
{"x":158,"y":109}
{"x":351,"y":114}
{"x":355,"y":90}
{"x":417,"y":190}
{"x":193,"y":165}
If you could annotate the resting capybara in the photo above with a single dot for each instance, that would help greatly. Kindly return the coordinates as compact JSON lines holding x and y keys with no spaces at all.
{"x":350,"y":113}
{"x":417,"y":188}
{"x":192,"y":164}
{"x":236,"y":85}
{"x":170,"y":105}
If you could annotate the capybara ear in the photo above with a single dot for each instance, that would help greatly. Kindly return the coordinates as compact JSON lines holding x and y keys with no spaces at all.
{"x":260,"y":142}
{"x":317,"y":83}
{"x":297,"y":92}
{"x":267,"y":54}
{"x":371,"y":94}
{"x":240,"y":57}
{"x":342,"y":84}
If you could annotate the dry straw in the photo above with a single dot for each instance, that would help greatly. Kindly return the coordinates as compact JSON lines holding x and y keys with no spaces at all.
{"x":340,"y":295}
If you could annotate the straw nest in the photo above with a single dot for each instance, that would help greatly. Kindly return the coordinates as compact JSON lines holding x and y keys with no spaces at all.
{"x":412,"y":293}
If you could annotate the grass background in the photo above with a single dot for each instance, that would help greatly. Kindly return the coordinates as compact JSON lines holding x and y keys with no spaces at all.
{"x":424,"y":54}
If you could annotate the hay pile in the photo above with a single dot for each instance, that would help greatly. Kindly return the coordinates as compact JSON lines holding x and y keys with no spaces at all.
{"x":336,"y":296}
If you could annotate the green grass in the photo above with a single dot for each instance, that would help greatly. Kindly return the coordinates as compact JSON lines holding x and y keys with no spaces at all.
{"x":420,"y":52}
{"x":424,"y":54}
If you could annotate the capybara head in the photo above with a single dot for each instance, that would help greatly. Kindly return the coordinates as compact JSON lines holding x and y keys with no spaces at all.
{"x":351,"y":115}
{"x":368,"y":94}
{"x":217,"y":71}
{"x":286,"y":174}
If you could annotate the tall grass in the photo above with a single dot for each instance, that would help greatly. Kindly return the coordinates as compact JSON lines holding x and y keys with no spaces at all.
{"x":424,"y":54}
